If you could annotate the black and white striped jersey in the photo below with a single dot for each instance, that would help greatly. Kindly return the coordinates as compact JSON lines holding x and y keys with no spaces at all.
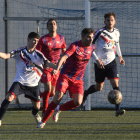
{"x":29,"y":66}
{"x":107,"y":45}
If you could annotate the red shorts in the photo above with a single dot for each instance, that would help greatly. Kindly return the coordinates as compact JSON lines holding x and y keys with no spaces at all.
{"x":47,"y":77}
{"x":64,"y":83}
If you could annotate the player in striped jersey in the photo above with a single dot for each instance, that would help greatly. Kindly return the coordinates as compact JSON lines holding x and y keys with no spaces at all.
{"x":29,"y":70}
{"x":51,"y":46}
{"x":77,"y":56}
{"x":107,"y":40}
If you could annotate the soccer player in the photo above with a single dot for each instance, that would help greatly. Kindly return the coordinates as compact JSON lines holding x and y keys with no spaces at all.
{"x":76,"y":57}
{"x":51,"y":46}
{"x":29,"y":69}
{"x":107,"y":40}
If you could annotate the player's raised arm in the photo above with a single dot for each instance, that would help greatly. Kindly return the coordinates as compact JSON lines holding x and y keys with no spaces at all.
{"x":5,"y":55}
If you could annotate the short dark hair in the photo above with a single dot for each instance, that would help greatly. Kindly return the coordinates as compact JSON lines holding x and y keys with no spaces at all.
{"x":50,"y":20}
{"x":109,"y":14}
{"x":87,"y":30}
{"x":33,"y":35}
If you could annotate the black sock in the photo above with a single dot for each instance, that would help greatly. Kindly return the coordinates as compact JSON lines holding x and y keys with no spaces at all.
{"x":90,"y":90}
{"x":117,"y":105}
{"x":117,"y":88}
{"x":4,"y":107}
{"x":34,"y":111}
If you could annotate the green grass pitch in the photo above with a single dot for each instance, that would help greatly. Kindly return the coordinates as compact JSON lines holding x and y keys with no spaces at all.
{"x":72,"y":125}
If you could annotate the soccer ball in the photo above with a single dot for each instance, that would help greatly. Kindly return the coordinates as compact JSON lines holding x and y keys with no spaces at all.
{"x":114,"y":97}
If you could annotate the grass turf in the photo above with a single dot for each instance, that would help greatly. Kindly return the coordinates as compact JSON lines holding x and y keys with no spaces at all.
{"x":74,"y":125}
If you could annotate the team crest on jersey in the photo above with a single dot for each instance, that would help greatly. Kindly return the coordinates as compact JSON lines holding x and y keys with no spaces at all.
{"x":89,"y":52}
{"x":44,"y":75}
{"x":58,"y":42}
{"x":49,"y":44}
{"x":80,"y":53}
{"x":29,"y":64}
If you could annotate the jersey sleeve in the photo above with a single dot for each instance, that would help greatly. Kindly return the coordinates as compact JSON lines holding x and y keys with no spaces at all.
{"x":14,"y":53}
{"x":118,"y":50}
{"x":71,"y":49}
{"x":40,"y":44}
{"x":42,"y":57}
{"x":96,"y":36}
{"x":94,"y":55}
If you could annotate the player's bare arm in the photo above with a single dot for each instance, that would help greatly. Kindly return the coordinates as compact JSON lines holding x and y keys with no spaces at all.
{"x":121,"y":61}
{"x":60,"y":62}
{"x":63,"y":50}
{"x":4,"y":55}
{"x":100,"y":64}
{"x":49,"y":64}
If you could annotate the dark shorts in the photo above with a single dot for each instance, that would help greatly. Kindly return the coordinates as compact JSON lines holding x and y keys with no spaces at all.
{"x":30,"y":92}
{"x":110,"y":72}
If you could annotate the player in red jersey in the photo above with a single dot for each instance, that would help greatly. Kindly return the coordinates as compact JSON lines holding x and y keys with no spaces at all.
{"x":51,"y":46}
{"x":77,"y":56}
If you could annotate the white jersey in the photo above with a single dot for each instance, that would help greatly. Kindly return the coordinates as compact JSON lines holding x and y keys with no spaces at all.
{"x":107,"y":44}
{"x":29,"y":66}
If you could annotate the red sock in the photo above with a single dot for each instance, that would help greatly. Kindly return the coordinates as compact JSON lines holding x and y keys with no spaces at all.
{"x":41,"y":94}
{"x":49,"y":111}
{"x":46,"y":100}
{"x":51,"y":95}
{"x":67,"y":106}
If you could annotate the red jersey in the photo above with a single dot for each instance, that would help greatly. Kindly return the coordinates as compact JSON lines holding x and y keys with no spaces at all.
{"x":78,"y":57}
{"x":51,"y":47}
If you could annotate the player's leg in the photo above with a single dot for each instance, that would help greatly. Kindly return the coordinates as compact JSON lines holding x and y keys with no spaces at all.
{"x":77,"y":100}
{"x":76,"y":92}
{"x":99,"y":78}
{"x":61,"y":88}
{"x":49,"y":85}
{"x":90,"y":90}
{"x":12,"y":93}
{"x":35,"y":110}
{"x":33,"y":94}
{"x":53,"y":83}
{"x":49,"y":90}
{"x":5,"y":104}
{"x":45,"y":96}
{"x":115,"y":86}
{"x":56,"y":100}
{"x":113,"y":76}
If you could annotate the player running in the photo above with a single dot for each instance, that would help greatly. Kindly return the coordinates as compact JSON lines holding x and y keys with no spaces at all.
{"x":51,"y":46}
{"x":107,"y":40}
{"x":29,"y":70}
{"x":77,"y":56}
